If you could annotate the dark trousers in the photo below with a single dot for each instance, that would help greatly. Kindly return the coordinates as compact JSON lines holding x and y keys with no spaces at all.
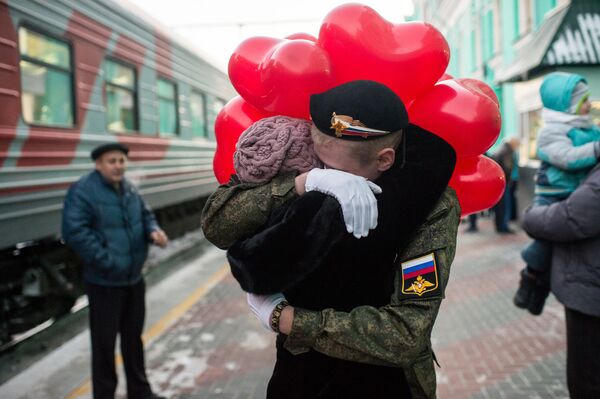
{"x":500,"y":215}
{"x":538,"y":254}
{"x":583,"y":355}
{"x":473,"y":221}
{"x":117,"y":310}
{"x":513,"y":200}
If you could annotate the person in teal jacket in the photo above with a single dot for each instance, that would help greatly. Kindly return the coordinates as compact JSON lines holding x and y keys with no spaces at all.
{"x":568,"y":146}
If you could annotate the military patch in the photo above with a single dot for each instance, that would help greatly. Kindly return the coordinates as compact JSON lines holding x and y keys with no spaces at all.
{"x":419,"y":275}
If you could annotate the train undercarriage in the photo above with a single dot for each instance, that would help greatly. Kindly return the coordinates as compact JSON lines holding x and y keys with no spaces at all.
{"x":41,"y":280}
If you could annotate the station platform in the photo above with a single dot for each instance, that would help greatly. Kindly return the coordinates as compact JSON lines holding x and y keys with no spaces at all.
{"x":203,"y":342}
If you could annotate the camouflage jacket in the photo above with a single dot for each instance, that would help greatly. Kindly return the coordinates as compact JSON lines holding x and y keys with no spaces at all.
{"x":398,"y":334}
{"x":237,"y":210}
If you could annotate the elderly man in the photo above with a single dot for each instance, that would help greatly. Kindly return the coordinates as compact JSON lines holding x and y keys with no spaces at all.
{"x":108,"y":225}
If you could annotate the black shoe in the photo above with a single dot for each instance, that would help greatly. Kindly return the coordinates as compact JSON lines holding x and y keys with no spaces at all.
{"x":541,"y":291}
{"x":471,"y":230}
{"x":525,"y":290}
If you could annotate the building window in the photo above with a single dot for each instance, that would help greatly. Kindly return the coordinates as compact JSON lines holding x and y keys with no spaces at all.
{"x":487,"y":41}
{"x":46,"y":79}
{"x":497,"y":27}
{"x":524,"y":8}
{"x":531,"y":122}
{"x":120,"y":100}
{"x":541,"y":8}
{"x":595,"y":112}
{"x":167,"y":107}
{"x":198,"y":113}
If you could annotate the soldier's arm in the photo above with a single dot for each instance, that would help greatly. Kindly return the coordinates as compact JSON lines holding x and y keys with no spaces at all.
{"x":395,"y":334}
{"x":236,"y":211}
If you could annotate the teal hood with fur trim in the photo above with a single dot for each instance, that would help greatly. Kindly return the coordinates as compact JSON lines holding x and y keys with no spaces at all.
{"x":557,"y":88}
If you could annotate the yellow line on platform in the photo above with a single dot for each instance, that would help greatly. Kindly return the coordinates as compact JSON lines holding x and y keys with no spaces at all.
{"x":161,"y":325}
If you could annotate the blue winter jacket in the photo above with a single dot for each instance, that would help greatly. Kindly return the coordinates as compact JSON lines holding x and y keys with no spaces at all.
{"x":109,"y":230}
{"x":567,"y":152}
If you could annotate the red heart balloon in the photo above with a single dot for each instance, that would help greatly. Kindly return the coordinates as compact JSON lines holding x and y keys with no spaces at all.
{"x":476,"y":84}
{"x":408,"y":58}
{"x":301,"y":36}
{"x":460,"y":113}
{"x":278,"y":76}
{"x":479,"y":183}
{"x":235,"y":117}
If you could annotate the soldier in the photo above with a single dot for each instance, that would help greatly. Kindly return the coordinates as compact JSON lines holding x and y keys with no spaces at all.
{"x":307,"y":254}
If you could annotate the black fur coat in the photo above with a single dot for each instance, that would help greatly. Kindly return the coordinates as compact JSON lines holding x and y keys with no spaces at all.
{"x":305,"y":252}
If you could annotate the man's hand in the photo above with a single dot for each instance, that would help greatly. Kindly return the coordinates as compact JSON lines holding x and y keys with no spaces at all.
{"x":286,"y":320}
{"x":263,"y":305}
{"x":355,"y":194}
{"x":159,"y":238}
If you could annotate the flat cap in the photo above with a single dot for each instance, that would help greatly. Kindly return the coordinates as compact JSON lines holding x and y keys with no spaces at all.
{"x":357,"y":110}
{"x":101,"y":149}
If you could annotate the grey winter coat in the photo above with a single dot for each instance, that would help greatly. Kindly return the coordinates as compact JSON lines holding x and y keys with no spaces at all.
{"x":574,"y":226}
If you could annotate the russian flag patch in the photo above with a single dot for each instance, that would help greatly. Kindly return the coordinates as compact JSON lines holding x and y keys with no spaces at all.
{"x":419,"y":275}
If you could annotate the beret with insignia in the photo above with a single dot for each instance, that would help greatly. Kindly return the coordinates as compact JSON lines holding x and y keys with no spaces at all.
{"x":360,"y":109}
{"x":101,"y":149}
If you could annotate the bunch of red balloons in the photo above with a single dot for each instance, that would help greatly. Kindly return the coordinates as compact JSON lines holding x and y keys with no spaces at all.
{"x":277,"y":77}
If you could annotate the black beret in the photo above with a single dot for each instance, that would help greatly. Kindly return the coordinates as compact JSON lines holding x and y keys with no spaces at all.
{"x":361,"y":109}
{"x":101,"y":149}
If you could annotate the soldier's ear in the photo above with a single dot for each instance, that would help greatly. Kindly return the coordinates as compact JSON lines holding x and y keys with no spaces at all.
{"x":385,"y":159}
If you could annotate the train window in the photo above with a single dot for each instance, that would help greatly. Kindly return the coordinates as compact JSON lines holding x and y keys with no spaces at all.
{"x":167,"y":107}
{"x":198,"y":113}
{"x":120,"y":100}
{"x":46,"y":79}
{"x":213,"y":111}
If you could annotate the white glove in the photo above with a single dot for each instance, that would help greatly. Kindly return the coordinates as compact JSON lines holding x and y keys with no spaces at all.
{"x":263,"y":305}
{"x":355,"y":194}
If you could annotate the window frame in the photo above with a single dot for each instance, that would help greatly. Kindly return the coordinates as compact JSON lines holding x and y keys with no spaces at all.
{"x":134,"y":91}
{"x":177,"y":131}
{"x":71,"y":73}
{"x":213,"y":112}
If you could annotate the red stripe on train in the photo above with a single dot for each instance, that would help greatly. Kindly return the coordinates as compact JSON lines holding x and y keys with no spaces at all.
{"x":164,"y":55}
{"x":145,"y":148}
{"x":33,"y":189}
{"x":9,"y":81}
{"x":56,"y":186}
